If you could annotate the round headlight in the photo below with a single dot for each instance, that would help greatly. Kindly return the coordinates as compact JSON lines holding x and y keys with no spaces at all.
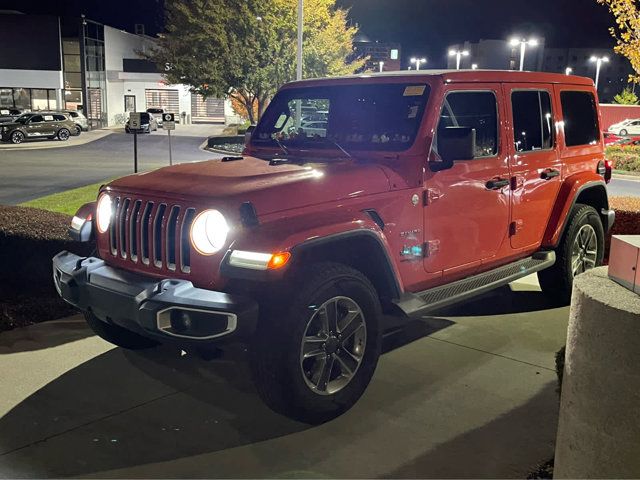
{"x":104,"y":212}
{"x":209,"y":232}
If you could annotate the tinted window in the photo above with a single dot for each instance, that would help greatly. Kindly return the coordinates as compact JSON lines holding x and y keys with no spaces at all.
{"x":358,"y":117}
{"x":477,"y":110}
{"x":59,"y":117}
{"x":36,"y":119}
{"x":532,"y":120}
{"x":580,"y":118}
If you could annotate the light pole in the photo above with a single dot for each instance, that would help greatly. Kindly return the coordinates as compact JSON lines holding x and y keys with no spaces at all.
{"x":458,"y":54}
{"x":598,"y":61}
{"x":300,"y":38}
{"x":418,"y":62}
{"x":381,"y":67}
{"x":523,"y":42}
{"x":568,"y":71}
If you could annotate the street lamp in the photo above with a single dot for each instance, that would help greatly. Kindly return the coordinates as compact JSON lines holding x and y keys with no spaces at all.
{"x":458,"y":54}
{"x":300,"y":38}
{"x":523,"y":42}
{"x":598,"y":61}
{"x":474,"y":66}
{"x":418,"y":62}
{"x":568,"y":71}
{"x":381,"y":66}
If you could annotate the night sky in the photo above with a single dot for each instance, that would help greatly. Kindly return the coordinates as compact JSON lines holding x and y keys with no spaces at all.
{"x":423,"y":27}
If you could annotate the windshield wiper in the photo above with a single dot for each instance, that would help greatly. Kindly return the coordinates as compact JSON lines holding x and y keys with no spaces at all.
{"x":281,"y":145}
{"x":339,"y":146}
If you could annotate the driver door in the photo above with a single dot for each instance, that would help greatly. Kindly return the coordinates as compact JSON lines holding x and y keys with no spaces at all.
{"x":35,"y":127}
{"x":466,"y":215}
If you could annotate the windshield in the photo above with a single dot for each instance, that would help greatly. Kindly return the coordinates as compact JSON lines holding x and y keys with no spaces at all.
{"x":355,"y":117}
{"x":23,"y":118}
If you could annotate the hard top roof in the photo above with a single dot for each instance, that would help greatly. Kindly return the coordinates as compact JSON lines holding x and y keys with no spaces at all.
{"x":458,"y":76}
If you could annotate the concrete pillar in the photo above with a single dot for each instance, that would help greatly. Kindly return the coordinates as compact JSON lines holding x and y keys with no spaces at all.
{"x":599,"y":429}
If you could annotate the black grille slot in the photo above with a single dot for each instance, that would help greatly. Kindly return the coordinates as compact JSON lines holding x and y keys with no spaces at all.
{"x":185,"y":240}
{"x":133,"y":230}
{"x":122,"y":227}
{"x":172,"y":223}
{"x":157,"y":235}
{"x":113,"y":238}
{"x":144,"y":233}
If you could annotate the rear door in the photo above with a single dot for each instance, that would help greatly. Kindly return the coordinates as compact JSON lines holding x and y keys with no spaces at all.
{"x":35,"y":126}
{"x":536,"y":170}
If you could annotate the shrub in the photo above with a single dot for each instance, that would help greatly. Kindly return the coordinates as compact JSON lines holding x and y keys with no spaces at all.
{"x":624,"y":158}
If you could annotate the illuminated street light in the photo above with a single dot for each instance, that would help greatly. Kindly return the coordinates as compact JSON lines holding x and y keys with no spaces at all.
{"x":418,"y":62}
{"x":381,"y":66}
{"x":568,"y":71}
{"x":598,"y":61}
{"x":474,"y":66}
{"x":523,"y":42}
{"x":458,"y":54}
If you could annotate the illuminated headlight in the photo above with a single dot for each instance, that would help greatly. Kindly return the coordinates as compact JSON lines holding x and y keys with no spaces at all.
{"x":104,"y":213}
{"x":209,"y":232}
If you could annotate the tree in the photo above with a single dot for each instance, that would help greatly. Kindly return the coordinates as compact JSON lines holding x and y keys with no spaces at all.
{"x":627,"y":31}
{"x":626,"y":97}
{"x":246,"y":49}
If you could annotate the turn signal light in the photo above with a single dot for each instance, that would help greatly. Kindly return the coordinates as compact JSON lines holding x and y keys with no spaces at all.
{"x":278,"y":260}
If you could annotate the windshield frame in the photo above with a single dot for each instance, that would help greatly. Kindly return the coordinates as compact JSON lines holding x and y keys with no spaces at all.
{"x":322,"y":90}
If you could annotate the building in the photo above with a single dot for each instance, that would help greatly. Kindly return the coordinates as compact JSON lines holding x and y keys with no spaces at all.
{"x":614,"y":74}
{"x":498,"y":55}
{"x":50,"y":62}
{"x":387,"y":53}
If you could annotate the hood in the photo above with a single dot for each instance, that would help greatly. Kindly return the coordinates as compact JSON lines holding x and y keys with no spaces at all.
{"x":269,"y":188}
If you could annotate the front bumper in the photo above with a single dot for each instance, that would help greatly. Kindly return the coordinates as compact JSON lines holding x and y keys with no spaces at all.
{"x":168,"y":311}
{"x":608,"y":219}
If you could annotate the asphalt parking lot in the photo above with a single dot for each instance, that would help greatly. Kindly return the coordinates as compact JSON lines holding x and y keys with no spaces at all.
{"x":35,"y":172}
{"x":469,"y":393}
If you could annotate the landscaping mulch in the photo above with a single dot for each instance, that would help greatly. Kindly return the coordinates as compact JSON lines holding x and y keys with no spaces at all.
{"x":29,"y":239}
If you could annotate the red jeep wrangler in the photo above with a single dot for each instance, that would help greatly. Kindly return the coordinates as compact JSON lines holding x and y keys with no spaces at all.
{"x":355,"y":197}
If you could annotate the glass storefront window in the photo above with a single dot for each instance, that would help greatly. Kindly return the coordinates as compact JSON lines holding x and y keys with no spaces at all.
{"x":72,"y":80}
{"x":53,"y":101}
{"x":39,"y":100}
{"x":72,"y":63}
{"x":6,"y":97}
{"x":72,"y":99}
{"x":71,"y":46}
{"x":22,"y":98}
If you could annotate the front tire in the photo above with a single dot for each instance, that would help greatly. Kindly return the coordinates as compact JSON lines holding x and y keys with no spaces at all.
{"x":313,"y":358}
{"x":17,"y":137}
{"x":63,"y":134}
{"x":581,"y":248}
{"x":118,"y":335}
{"x":624,"y":132}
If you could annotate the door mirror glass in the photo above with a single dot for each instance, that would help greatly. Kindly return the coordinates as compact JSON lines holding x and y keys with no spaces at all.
{"x":456,"y":143}
{"x":247,"y":135}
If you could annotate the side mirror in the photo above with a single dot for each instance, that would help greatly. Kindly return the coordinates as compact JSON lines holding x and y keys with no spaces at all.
{"x":247,"y":135}
{"x":454,"y":143}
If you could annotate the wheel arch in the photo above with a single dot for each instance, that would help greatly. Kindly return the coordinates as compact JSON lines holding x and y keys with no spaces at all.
{"x":592,"y":192}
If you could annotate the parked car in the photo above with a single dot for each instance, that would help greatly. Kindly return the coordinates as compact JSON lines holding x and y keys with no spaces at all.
{"x":148,"y":123}
{"x":38,"y":125}
{"x":628,"y":127}
{"x":627,"y":142}
{"x":157,"y":113}
{"x":9,"y":114}
{"x":610,"y":138}
{"x":429,"y":188}
{"x":82,"y":124}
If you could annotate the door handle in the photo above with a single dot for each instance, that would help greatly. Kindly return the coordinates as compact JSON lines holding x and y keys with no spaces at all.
{"x":549,"y":174}
{"x":497,"y":184}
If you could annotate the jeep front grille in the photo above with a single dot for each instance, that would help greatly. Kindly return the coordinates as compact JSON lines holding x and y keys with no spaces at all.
{"x":155,"y":234}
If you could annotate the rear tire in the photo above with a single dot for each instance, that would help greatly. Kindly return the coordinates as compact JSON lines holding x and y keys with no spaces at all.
{"x":118,"y":335}
{"x":624,"y":132}
{"x":301,"y":370}
{"x":581,"y":248}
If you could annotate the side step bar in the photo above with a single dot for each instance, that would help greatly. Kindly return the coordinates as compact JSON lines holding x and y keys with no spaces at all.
{"x":416,"y":304}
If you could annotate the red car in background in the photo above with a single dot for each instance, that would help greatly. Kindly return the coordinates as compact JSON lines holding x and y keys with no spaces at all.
{"x":611,"y":138}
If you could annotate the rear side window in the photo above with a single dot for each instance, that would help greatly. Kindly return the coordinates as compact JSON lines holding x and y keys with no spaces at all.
{"x":580,"y":118}
{"x":477,"y":110}
{"x":532,"y":120}
{"x":59,"y":117}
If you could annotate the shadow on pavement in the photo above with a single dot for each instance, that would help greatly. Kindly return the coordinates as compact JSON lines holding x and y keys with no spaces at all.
{"x":47,"y":335}
{"x":504,"y":443}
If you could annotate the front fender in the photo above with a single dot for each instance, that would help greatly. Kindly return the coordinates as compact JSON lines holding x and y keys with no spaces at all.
{"x":570,"y":190}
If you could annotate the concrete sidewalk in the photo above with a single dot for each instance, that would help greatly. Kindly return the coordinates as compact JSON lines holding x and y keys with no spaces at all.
{"x":471,"y":394}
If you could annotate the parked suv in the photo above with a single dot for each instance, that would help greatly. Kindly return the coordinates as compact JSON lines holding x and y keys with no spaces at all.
{"x":148,"y":123}
{"x":79,"y":119}
{"x":38,"y":125}
{"x":426,"y":189}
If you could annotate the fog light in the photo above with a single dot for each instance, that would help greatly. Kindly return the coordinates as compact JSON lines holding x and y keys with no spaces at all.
{"x":181,"y":321}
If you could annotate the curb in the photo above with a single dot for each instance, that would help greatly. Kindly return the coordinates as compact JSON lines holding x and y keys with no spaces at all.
{"x":632,"y":178}
{"x":48,"y":145}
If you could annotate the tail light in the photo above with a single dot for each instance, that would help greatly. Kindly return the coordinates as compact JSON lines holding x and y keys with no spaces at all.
{"x":605,"y":168}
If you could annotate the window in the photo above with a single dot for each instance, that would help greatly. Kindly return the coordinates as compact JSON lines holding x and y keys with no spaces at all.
{"x":580,"y":118}
{"x":358,"y":117}
{"x":39,"y":100}
{"x":129,"y":103}
{"x":532,"y":120}
{"x":477,"y":110}
{"x":36,"y":119}
{"x":22,"y":98}
{"x":59,"y":118}
{"x":6,"y":97}
{"x":394,"y":54}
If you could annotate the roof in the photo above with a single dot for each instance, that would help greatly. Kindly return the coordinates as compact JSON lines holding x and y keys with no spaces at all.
{"x":458,"y":76}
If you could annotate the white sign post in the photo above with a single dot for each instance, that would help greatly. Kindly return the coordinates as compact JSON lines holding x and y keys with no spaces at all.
{"x":168,"y":124}
{"x":135,"y":124}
